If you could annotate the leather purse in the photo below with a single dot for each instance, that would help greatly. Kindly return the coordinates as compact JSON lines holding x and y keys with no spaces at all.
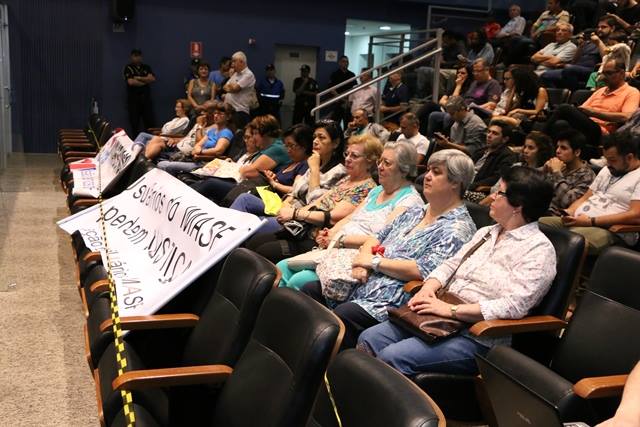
{"x":427,"y":327}
{"x":431,"y":327}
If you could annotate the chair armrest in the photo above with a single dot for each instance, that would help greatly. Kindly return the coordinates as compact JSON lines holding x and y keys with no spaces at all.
{"x":155,"y":321}
{"x":501,"y":327}
{"x":619,"y":228}
{"x":101,"y":285}
{"x":597,"y":387}
{"x":85,"y":202}
{"x":91,"y":256}
{"x":171,"y":377}
{"x":413,"y":286}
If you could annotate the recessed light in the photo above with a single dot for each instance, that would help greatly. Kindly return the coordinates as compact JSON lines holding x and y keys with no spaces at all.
{"x":347,"y":33}
{"x":385,"y":28}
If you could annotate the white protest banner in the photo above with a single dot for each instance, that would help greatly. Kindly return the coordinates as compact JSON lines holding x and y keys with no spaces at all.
{"x":112,"y":159}
{"x":161,"y":235}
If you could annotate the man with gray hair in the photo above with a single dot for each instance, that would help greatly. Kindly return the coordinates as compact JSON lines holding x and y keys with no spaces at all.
{"x":556,"y":54}
{"x":360,"y":125}
{"x":240,"y":93}
{"x":468,"y":133}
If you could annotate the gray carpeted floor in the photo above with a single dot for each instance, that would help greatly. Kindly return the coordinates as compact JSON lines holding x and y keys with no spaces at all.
{"x":44,"y":379}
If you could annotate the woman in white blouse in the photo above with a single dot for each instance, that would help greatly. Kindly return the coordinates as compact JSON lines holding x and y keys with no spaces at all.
{"x":503,"y":279}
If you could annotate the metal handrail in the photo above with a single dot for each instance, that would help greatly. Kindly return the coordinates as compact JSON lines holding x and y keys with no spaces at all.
{"x":343,"y":95}
{"x":376,"y":80}
{"x":395,"y":58}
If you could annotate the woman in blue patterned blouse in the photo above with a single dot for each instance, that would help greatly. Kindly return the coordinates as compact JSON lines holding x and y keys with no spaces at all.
{"x":415,"y":243}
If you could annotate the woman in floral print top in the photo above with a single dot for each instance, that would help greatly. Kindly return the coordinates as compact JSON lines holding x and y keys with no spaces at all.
{"x":415,"y":243}
{"x":361,"y":156}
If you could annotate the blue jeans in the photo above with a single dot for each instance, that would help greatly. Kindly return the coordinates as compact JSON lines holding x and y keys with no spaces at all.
{"x":411,"y":355}
{"x":143,"y":138}
{"x":174,"y":168}
{"x":249,"y":203}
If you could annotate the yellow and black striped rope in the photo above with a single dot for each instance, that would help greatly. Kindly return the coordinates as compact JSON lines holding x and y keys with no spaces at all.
{"x":121,"y":358}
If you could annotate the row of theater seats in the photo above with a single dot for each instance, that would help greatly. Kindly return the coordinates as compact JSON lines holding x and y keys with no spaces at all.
{"x":242,"y":311}
{"x":245,"y":353}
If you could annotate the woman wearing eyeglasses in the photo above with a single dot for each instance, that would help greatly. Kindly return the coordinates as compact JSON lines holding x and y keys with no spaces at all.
{"x":501,"y":273}
{"x":361,"y":156}
{"x":323,"y":160}
{"x":415,"y":243}
{"x":396,"y":193}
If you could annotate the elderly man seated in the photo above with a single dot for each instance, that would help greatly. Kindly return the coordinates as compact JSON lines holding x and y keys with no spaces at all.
{"x":360,"y":125}
{"x":555,"y":55}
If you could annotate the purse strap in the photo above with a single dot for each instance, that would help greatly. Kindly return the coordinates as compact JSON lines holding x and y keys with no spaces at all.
{"x":465,"y":257}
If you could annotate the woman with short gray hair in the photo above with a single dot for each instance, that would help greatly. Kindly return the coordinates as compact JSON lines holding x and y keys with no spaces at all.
{"x":409,"y":248}
{"x":396,"y":171}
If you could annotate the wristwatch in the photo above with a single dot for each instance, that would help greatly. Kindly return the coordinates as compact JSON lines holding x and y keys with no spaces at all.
{"x":454,"y":311}
{"x":375,"y":262}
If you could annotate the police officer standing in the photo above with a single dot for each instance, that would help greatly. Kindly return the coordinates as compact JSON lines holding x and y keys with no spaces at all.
{"x":138,"y":77}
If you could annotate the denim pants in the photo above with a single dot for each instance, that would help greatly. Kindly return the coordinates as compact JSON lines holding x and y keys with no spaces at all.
{"x":411,"y":355}
{"x":254,"y":205}
{"x":174,"y":168}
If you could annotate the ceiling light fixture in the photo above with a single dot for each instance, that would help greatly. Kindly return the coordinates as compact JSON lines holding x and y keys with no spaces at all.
{"x":385,"y":28}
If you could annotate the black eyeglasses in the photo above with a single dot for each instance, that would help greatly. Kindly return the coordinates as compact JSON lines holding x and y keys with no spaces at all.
{"x":500,"y":193}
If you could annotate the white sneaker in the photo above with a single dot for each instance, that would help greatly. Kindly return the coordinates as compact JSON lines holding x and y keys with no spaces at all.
{"x":601,"y":162}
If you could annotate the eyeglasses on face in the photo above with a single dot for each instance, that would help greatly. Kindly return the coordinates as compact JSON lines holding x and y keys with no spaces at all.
{"x":353,"y":155}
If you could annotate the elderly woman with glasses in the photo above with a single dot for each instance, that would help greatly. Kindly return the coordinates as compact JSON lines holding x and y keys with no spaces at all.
{"x":503,"y":272}
{"x":361,"y":156}
{"x":395,"y":194}
{"x":409,"y":248}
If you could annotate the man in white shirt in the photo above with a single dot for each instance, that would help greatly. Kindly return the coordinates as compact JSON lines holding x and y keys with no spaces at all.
{"x":240,"y":93}
{"x":612,"y":199}
{"x":410,"y":125}
{"x":364,"y":98}
{"x":515,"y":26}
{"x":556,"y":54}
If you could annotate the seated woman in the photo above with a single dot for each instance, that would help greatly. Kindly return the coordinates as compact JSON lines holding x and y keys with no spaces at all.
{"x":273,"y":156}
{"x":175,"y":127}
{"x":324,"y":170}
{"x":523,"y":98}
{"x":215,"y":142}
{"x":415,"y":243}
{"x":200,"y":91}
{"x":299,"y":142}
{"x":503,"y":278}
{"x":396,"y":172}
{"x":161,"y":147}
{"x":361,"y":156}
{"x":462,"y":83}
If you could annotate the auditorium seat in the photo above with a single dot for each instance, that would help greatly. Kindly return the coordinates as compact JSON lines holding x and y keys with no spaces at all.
{"x":218,"y":336}
{"x":456,"y":394}
{"x":557,"y":96}
{"x":277,"y":377}
{"x":368,"y":392}
{"x":585,"y":377}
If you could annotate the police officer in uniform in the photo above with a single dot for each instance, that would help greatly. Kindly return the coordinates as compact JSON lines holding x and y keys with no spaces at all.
{"x":138,"y":77}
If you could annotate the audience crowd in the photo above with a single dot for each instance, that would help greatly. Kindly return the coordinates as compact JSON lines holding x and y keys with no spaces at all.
{"x":499,"y":135}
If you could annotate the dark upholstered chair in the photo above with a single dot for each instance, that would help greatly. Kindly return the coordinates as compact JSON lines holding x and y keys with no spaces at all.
{"x":456,"y":394}
{"x":368,"y":392}
{"x":578,"y":97}
{"x":277,"y":377}
{"x":557,"y":96}
{"x":479,"y":214}
{"x":589,"y":366}
{"x":218,"y":336}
